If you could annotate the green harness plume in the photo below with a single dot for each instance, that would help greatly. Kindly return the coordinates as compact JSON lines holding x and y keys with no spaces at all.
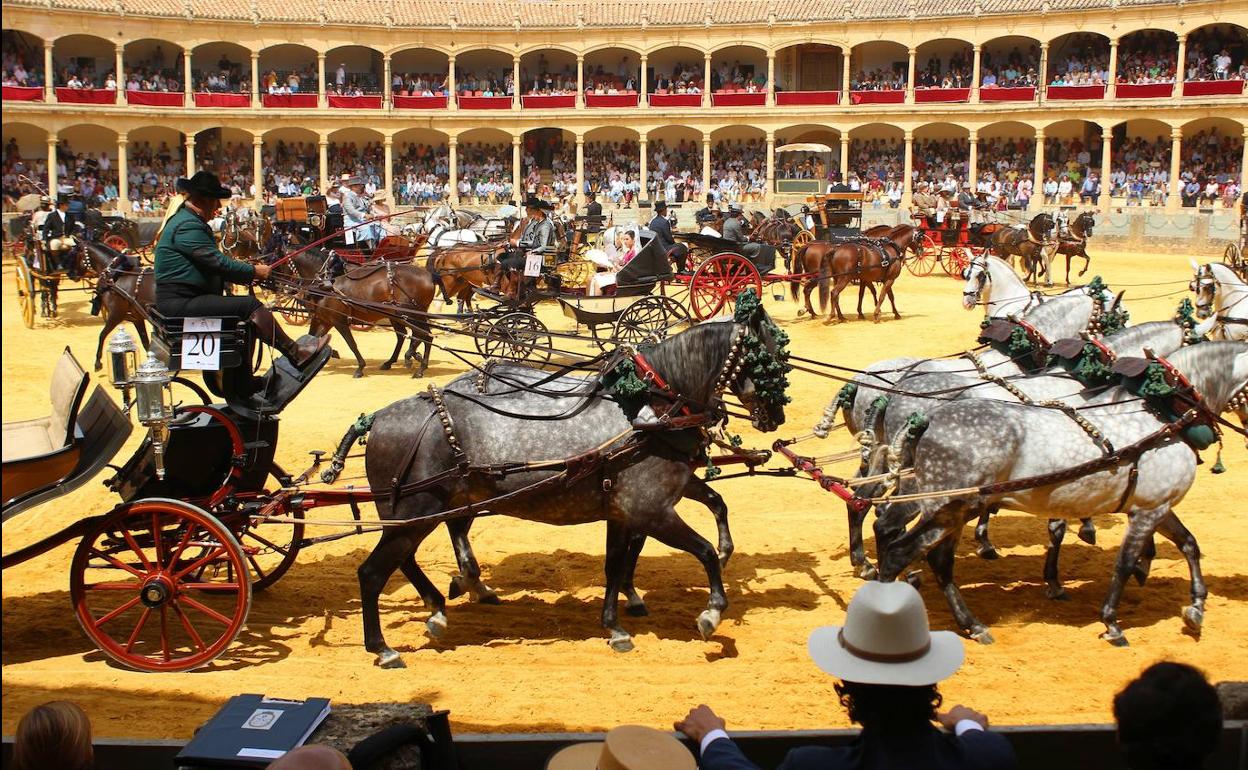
{"x":766,"y":370}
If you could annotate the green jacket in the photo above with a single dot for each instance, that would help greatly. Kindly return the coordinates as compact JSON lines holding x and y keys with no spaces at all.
{"x":187,"y":253}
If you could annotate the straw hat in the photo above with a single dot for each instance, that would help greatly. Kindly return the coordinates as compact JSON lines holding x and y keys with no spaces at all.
{"x":886,"y":640}
{"x":628,"y":747}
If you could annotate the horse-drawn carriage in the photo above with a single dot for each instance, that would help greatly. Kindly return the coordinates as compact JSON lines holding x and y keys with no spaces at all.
{"x":951,"y":242}
{"x":1236,"y":254}
{"x":39,"y":273}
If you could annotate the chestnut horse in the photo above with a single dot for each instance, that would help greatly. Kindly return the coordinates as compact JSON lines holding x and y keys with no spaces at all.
{"x":869,"y":261}
{"x":1031,"y":244}
{"x":809,"y":259}
{"x":457,"y":269}
{"x":123,"y":292}
{"x":1075,"y":242}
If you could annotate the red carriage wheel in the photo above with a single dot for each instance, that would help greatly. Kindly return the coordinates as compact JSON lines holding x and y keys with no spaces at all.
{"x":160,"y":585}
{"x":116,"y":242}
{"x":925,"y":261}
{"x":291,"y":309}
{"x":958,"y":260}
{"x":714,"y":287}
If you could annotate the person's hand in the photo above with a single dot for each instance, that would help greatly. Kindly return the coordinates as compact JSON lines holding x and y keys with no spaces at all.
{"x":262,"y":271}
{"x":950,"y":718}
{"x":699,"y":722}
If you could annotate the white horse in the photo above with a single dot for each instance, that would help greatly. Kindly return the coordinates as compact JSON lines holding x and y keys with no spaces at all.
{"x":1007,"y":293}
{"x":445,"y":227}
{"x":1221,"y":295}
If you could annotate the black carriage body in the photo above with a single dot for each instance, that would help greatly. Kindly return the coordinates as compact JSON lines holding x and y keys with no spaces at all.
{"x":199,"y":458}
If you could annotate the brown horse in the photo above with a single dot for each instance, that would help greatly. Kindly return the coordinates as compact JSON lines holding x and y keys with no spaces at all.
{"x":1075,"y":242}
{"x":377,"y":293}
{"x":1030,"y":243}
{"x":869,"y":261}
{"x":809,"y":259}
{"x":245,"y":238}
{"x":123,"y":292}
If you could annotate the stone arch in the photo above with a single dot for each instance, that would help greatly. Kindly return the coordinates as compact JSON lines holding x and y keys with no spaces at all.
{"x":482,"y":63}
{"x":946,"y":56}
{"x":558,"y":62}
{"x":1081,"y":50}
{"x":674,"y":59}
{"x":32,"y":147}
{"x":228,"y":152}
{"x":207,"y":59}
{"x":155,"y":158}
{"x":357,"y":150}
{"x":360,"y":64}
{"x":877,"y":152}
{"x":1204,"y":41}
{"x":878,"y":60}
{"x":291,"y":154}
{"x":618,"y":64}
{"x":286,"y":59}
{"x":676,"y":152}
{"x":484,"y":163}
{"x":1212,"y":146}
{"x":29,"y":47}
{"x":734,"y":65}
{"x":90,"y":56}
{"x":613,"y":152}
{"x":1007,"y":148}
{"x":420,"y":63}
{"x":806,"y":66}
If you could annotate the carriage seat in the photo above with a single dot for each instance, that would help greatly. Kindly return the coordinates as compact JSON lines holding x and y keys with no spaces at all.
{"x":27,"y":439}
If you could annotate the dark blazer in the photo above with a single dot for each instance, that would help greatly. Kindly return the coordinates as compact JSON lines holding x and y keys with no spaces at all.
{"x":932,"y":750}
{"x":662,"y":229}
{"x":55,"y":225}
{"x":593,"y":209}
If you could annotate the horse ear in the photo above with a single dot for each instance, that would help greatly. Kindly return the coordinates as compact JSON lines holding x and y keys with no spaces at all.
{"x":1195,"y":265}
{"x":1117,"y":301}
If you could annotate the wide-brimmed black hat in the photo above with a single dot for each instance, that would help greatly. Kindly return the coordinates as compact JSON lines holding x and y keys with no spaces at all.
{"x":537,"y":203}
{"x":590,"y":194}
{"x":204,"y":183}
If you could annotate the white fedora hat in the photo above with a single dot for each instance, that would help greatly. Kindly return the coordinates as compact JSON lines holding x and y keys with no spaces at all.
{"x":886,"y":640}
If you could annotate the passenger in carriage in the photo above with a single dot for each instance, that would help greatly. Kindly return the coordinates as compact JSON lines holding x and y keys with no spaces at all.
{"x":538,"y":236}
{"x":734,"y":230}
{"x":661,"y":226}
{"x":191,"y":272}
{"x":969,"y":203}
{"x":356,"y":211}
{"x":923,"y":205}
{"x":57,"y":237}
{"x":625,"y":250}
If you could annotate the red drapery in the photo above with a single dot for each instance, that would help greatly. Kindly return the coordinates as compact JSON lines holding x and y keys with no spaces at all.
{"x":1075,"y":92}
{"x":1212,"y":88}
{"x":675,"y":100}
{"x":1007,"y":94}
{"x":611,"y":100}
{"x":485,"y":102}
{"x":419,"y":102}
{"x":807,"y":97}
{"x":22,"y":94}
{"x":1144,"y":90}
{"x":303,"y":101}
{"x":922,"y":95}
{"x":85,"y":96}
{"x":548,"y":101}
{"x":365,"y":102}
{"x":738,"y":99}
{"x":210,"y":99}
{"x":155,"y":98}
{"x":877,"y":97}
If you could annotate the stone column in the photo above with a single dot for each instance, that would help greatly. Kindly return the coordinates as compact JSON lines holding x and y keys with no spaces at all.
{"x":1107,"y":167}
{"x":908,"y":184}
{"x":706,"y":163}
{"x":1037,"y":181}
{"x":706,"y":80}
{"x":388,"y":149}
{"x":320,"y":79}
{"x":770,"y":187}
{"x":52,"y":180}
{"x":845,"y":56}
{"x":323,"y":161}
{"x":123,"y":173}
{"x":515,"y":82}
{"x":49,"y":73}
{"x":452,"y":101}
{"x":644,"y":146}
{"x":188,"y":79}
{"x":580,"y":170}
{"x":190,"y":155}
{"x":387,"y":90}
{"x":771,"y":78}
{"x":1042,"y":89}
{"x":1180,"y":64}
{"x":255,"y":79}
{"x":976,"y":74}
{"x":1173,"y":199}
{"x":452,"y":158}
{"x":643,"y":82}
{"x":845,"y":157}
{"x":580,"y":81}
{"x":517,"y":178}
{"x":257,"y":167}
{"x":972,"y":164}
{"x":119,"y":69}
{"x":910,"y":81}
{"x":1111,"y":91}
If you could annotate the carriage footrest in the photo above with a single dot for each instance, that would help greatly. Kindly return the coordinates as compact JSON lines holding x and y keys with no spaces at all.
{"x":280,"y":385}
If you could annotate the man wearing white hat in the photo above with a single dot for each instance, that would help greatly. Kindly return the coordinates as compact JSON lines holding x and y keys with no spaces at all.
{"x":889,"y":663}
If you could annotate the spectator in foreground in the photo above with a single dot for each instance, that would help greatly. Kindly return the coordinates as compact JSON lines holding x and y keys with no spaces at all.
{"x":889,"y":663}
{"x":628,"y":747}
{"x":56,"y":734}
{"x":1168,"y":718}
{"x":312,"y":757}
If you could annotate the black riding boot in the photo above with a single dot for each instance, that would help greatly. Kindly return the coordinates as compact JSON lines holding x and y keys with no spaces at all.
{"x":270,"y":332}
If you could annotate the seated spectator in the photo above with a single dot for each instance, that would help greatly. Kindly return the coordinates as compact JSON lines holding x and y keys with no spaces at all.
{"x":628,"y":747}
{"x":889,"y":664}
{"x":312,"y":757}
{"x":54,"y":735}
{"x":1168,"y":717}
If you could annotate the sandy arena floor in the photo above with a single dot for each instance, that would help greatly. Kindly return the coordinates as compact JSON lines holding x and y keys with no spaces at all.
{"x":540,"y":661}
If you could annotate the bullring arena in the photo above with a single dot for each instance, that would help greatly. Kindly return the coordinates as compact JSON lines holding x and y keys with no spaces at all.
{"x":472,"y":105}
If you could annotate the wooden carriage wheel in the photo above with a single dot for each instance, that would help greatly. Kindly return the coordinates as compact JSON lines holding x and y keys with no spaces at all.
{"x":270,"y":548}
{"x":516,"y":337}
{"x":800,"y":241}
{"x":714,"y":287}
{"x":116,"y":242}
{"x":956,"y":260}
{"x":649,"y":319}
{"x":25,"y":291}
{"x":1233,"y":258}
{"x":155,"y":584}
{"x":925,"y":261}
{"x":292,"y":310}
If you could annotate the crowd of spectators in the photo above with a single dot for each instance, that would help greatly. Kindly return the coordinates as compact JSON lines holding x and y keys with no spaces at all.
{"x":1210,"y":165}
{"x":1147,"y":57}
{"x":82,"y":73}
{"x":879,"y":159}
{"x":484,"y":173}
{"x":806,"y":166}
{"x":684,"y":78}
{"x":291,"y":168}
{"x":1141,"y":171}
{"x":487,"y":84}
{"x":21,"y":65}
{"x":419,"y":84}
{"x":421,"y":174}
{"x":675,"y":172}
{"x":601,"y":80}
{"x":612,"y":170}
{"x":1215,"y":55}
{"x":737,"y":77}
{"x":1015,"y":69}
{"x":294,"y":81}
{"x":152,"y":173}
{"x":957,"y":73}
{"x":739,"y":170}
{"x":368,"y":162}
{"x":227,"y":77}
{"x":1085,"y":64}
{"x":155,"y":73}
{"x":879,"y":79}
{"x":21,"y":176}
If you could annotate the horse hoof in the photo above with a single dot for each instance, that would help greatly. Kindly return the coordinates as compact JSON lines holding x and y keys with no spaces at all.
{"x":436,"y":625}
{"x":488,"y":597}
{"x":914,"y":578}
{"x":621,"y":641}
{"x":708,"y":621}
{"x":868,"y":571}
{"x":1087,"y":533}
{"x":456,"y":589}
{"x":1057,"y":593}
{"x":358,"y":374}
{"x":1116,"y":638}
{"x":385,"y":367}
{"x":637,"y":610}
{"x":334,"y":353}
{"x":982,"y":635}
{"x":98,"y":366}
{"x":988,"y":552}
{"x":1193,"y":618}
{"x":389,"y":658}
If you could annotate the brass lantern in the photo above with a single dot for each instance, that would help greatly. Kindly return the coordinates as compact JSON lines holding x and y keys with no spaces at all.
{"x":154,"y":405}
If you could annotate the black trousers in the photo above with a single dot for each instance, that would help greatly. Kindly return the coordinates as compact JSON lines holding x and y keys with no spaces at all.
{"x":206,"y":305}
{"x":680,"y":255}
{"x":513,"y":259}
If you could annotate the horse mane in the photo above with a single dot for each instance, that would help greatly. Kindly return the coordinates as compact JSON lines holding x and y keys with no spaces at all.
{"x":1225,"y":275}
{"x":1133,"y":337}
{"x":1054,"y":318}
{"x":1210,"y":367}
{"x":690,"y":360}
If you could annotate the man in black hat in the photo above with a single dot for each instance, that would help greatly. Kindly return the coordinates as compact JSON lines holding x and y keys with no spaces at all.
{"x":593,"y":208}
{"x":57,"y":235}
{"x":734,"y":230}
{"x":191,"y":272}
{"x":662,"y":229}
{"x":708,"y":213}
{"x":538,"y":235}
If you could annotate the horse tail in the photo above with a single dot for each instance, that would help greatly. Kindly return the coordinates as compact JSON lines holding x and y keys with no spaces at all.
{"x":844,"y":400}
{"x":358,"y":430}
{"x":797,"y":260}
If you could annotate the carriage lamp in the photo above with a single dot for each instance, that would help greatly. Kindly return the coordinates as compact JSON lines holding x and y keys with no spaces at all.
{"x":122,"y":352}
{"x":154,"y":402}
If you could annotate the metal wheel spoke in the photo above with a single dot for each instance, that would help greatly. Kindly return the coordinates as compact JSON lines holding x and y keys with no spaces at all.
{"x":210,"y":612}
{"x":138,"y":628}
{"x":177,"y":553}
{"x":138,"y":551}
{"x":117,"y":611}
{"x":203,"y":561}
{"x":190,"y":628}
{"x":95,"y":552}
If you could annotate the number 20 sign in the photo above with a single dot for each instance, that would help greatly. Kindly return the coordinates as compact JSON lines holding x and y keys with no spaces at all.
{"x":201,"y":343}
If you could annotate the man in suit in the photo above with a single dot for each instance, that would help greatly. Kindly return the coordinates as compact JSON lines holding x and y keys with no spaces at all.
{"x":662,"y":229}
{"x":58,"y":237}
{"x":708,"y":213}
{"x":734,"y":230}
{"x":889,"y":663}
{"x":593,"y":208}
